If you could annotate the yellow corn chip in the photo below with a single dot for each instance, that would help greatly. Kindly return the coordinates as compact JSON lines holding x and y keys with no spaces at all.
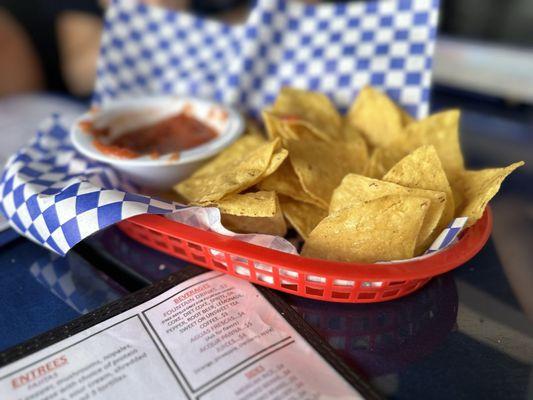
{"x":375,"y":115}
{"x":310,"y":109}
{"x":233,"y":177}
{"x":287,"y":128}
{"x":236,"y":151}
{"x":244,"y":214}
{"x":275,"y":225}
{"x":351,"y":132}
{"x":304,"y":130}
{"x":457,"y":191}
{"x":382,"y":229}
{"x":481,"y":186}
{"x":320,"y":166}
{"x":275,"y":127}
{"x":383,"y":159}
{"x":253,"y":204}
{"x":359,"y":150}
{"x":356,"y":188}
{"x":277,"y":159}
{"x":284,"y":181}
{"x":440,"y":130}
{"x":302,"y":216}
{"x":352,"y":135}
{"x":422,"y":170}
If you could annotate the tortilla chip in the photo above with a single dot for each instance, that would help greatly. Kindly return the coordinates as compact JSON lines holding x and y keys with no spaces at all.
{"x":382,"y":229}
{"x":356,"y":188}
{"x":320,"y":166}
{"x":312,"y":110}
{"x":302,"y":216}
{"x":373,"y":168}
{"x":253,"y":204}
{"x":305,"y":130}
{"x":275,"y":127}
{"x":236,"y":151}
{"x":275,"y":226}
{"x":383,"y":159}
{"x":422,"y":170}
{"x":277,"y":159}
{"x":457,"y":191}
{"x":361,"y":151}
{"x":375,"y":115}
{"x":284,"y":181}
{"x":246,"y":214}
{"x":442,"y":131}
{"x":232,"y":177}
{"x":480,"y":187}
{"x":351,"y":132}
{"x":287,"y":128}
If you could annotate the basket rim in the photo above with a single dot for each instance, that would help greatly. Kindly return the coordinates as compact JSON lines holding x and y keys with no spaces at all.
{"x":468,"y":245}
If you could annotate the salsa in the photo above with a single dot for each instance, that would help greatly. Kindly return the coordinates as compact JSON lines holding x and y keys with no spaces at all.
{"x":172,"y":135}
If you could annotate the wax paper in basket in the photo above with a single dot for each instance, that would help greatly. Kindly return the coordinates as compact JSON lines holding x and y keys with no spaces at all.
{"x":56,"y":197}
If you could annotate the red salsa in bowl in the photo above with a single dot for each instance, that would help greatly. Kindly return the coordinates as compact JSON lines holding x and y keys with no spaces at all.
{"x":156,"y":141}
{"x":171,"y":135}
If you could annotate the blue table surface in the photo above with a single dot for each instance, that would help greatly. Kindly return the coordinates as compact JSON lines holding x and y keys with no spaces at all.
{"x":467,"y":334}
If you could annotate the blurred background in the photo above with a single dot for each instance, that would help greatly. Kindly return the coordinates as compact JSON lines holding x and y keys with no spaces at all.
{"x":486,"y":46}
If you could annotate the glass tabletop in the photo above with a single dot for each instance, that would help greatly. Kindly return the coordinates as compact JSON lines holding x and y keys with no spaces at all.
{"x":40,"y":290}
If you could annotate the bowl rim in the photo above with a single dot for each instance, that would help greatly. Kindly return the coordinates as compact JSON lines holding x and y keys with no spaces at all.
{"x":83,"y":142}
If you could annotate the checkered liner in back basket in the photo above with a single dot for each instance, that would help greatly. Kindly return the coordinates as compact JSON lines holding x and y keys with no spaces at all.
{"x":332,"y":48}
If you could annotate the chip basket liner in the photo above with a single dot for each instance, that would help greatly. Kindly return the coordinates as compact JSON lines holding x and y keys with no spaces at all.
{"x":55,"y":197}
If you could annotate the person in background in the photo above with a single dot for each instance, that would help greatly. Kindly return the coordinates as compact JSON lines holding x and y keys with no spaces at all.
{"x":53,"y":45}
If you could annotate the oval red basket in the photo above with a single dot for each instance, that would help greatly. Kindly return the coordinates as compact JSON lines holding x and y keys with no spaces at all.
{"x":306,"y":277}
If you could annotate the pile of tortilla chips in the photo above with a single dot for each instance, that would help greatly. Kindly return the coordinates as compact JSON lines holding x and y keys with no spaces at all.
{"x":373,"y":185}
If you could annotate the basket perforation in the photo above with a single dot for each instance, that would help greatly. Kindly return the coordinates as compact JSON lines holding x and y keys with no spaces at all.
{"x":312,"y":278}
{"x":253,"y":273}
{"x":230,"y":268}
{"x":276,"y":277}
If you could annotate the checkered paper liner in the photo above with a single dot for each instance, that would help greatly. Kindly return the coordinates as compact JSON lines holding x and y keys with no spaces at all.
{"x":56,"y":197}
{"x":331,"y":48}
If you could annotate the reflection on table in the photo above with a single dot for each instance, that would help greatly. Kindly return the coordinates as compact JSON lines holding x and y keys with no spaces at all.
{"x":382,"y":338}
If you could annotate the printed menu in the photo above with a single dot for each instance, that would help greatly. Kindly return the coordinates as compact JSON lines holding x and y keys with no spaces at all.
{"x":210,"y":337}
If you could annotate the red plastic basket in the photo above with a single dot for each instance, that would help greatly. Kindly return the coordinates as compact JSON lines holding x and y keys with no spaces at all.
{"x":306,"y":277}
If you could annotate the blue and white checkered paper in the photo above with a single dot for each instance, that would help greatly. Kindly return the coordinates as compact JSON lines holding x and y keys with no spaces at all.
{"x":332,"y":48}
{"x":448,"y":235}
{"x":56,"y":197}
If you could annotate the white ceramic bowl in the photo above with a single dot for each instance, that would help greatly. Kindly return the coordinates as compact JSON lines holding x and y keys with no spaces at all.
{"x":165,"y":171}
